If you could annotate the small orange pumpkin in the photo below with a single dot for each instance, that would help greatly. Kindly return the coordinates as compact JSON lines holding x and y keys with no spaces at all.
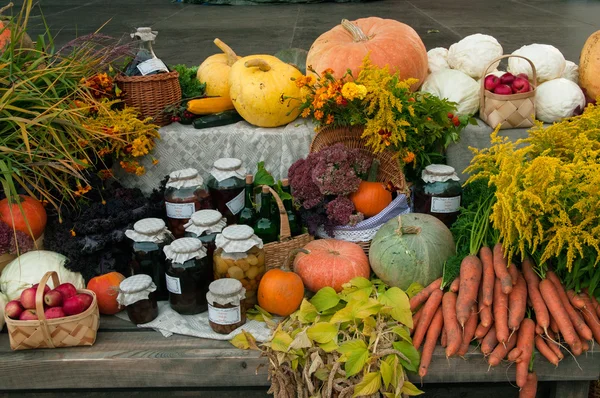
{"x":280,"y":291}
{"x":33,"y":215}
{"x":372,"y":196}
{"x":106,"y":288}
{"x":331,"y":262}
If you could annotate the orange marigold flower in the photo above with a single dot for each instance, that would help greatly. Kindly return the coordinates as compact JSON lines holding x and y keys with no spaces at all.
{"x":73,"y":232}
{"x":82,"y":190}
{"x":327,"y":71}
{"x":140,"y":171}
{"x":103,"y":152}
{"x":409,"y":157}
{"x":82,"y":142}
{"x":154,"y":162}
{"x":319,"y":115}
{"x":81,"y":167}
{"x":329,"y":119}
{"x":105,"y":174}
{"x":306,"y":112}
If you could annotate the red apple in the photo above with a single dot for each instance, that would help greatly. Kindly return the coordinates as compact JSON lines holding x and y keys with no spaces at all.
{"x":491,"y":81}
{"x":507,"y":78}
{"x":86,"y":299}
{"x":74,"y":305}
{"x":502,"y":89}
{"x":53,"y":298}
{"x":524,"y":76}
{"x":13,"y":309}
{"x":67,"y":290}
{"x":54,"y":312}
{"x":28,"y":298}
{"x":28,"y":315}
{"x":46,"y":288}
{"x":521,"y":85}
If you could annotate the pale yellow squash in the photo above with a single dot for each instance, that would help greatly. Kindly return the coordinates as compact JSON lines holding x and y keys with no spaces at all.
{"x":589,"y":67}
{"x":263,"y":92}
{"x":214,"y":71}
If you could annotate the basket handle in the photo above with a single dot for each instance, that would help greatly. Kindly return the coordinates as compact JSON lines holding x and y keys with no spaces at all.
{"x":485,"y":72}
{"x":39,"y":304}
{"x":284,"y":222}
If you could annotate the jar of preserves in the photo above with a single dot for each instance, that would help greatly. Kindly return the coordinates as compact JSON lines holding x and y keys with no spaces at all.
{"x":206,"y":225}
{"x":226,"y":185}
{"x":439,"y":193}
{"x":240,"y":255}
{"x":150,"y":236}
{"x":226,"y":299}
{"x":188,"y":276}
{"x":137,"y":294}
{"x":184,"y":195}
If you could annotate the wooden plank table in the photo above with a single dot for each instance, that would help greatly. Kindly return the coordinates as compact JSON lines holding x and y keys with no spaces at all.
{"x":125,"y":357}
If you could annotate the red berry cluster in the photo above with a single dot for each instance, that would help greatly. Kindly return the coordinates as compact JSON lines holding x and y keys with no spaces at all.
{"x":455,"y":120}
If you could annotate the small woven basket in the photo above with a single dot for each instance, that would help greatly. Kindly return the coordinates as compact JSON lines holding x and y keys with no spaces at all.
{"x":151,"y":94}
{"x":508,"y":111}
{"x":71,"y":331}
{"x":277,"y":253}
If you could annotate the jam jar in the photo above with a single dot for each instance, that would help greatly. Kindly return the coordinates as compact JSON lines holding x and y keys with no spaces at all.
{"x":149,"y":236}
{"x":206,"y":225}
{"x":226,"y":299}
{"x":240,"y":255}
{"x":185,"y":194}
{"x":137,"y":294}
{"x":439,"y":193}
{"x":226,"y":185}
{"x":188,"y":276}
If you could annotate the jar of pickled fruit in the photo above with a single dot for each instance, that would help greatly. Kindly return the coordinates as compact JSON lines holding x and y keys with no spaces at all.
{"x":226,"y":185}
{"x":188,"y":276}
{"x":205,"y":225}
{"x":184,"y":195}
{"x":149,"y":236}
{"x":225,"y":305}
{"x":240,"y":255}
{"x":137,"y":294}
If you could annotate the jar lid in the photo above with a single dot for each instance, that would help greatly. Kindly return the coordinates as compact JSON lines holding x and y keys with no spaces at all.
{"x":225,"y":168}
{"x":225,"y":291}
{"x":210,"y":221}
{"x":184,"y":249}
{"x":134,"y":289}
{"x":238,"y":239}
{"x":184,"y":178}
{"x":149,"y":230}
{"x":439,"y":173}
{"x":227,"y":164}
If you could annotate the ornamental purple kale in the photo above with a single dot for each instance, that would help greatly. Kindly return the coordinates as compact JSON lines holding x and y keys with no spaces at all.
{"x":306,"y":192}
{"x":340,"y":210}
{"x":339,"y":170}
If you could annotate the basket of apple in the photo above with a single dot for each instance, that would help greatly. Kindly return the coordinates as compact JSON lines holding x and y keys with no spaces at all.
{"x":508,"y":100}
{"x":52,"y":318}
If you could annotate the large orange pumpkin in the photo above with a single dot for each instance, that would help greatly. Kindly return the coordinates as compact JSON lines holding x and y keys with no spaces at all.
{"x":106,"y":288}
{"x":280,"y":291}
{"x":33,"y":215}
{"x":331,"y":262}
{"x":589,"y":67}
{"x":386,"y":41}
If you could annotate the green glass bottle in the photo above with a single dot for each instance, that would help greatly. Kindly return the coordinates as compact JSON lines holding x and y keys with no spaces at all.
{"x":265,"y":228}
{"x":248,"y":215}
{"x":295,"y":226}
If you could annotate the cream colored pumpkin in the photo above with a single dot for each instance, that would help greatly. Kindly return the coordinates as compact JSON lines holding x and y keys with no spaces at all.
{"x":262,"y":90}
{"x":214,"y":71}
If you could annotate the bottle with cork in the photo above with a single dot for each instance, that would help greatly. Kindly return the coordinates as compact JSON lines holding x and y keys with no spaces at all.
{"x":264,"y":227}
{"x":295,"y":226}
{"x":248,"y":215}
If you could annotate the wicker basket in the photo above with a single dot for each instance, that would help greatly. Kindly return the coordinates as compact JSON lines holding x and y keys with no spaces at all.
{"x":276,"y":253}
{"x":594,"y":389}
{"x":6,"y":259}
{"x":508,"y":111}
{"x":71,"y":331}
{"x":151,"y":94}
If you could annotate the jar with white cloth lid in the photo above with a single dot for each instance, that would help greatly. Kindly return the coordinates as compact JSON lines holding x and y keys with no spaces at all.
{"x":137,"y":294}
{"x":439,"y":193}
{"x":205,"y":225}
{"x":188,"y":276}
{"x":226,"y":185}
{"x":226,"y":305}
{"x":240,"y":255}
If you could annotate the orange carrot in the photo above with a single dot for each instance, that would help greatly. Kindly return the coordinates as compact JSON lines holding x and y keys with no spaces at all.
{"x":487,"y":319}
{"x":424,"y":294}
{"x":578,"y":323}
{"x":514,"y":273}
{"x":470,"y":277}
{"x":501,"y":270}
{"x":525,"y":342}
{"x":489,"y":342}
{"x":455,"y":285}
{"x":453,"y":332}
{"x":514,"y":355}
{"x":481,"y":331}
{"x":585,"y":346}
{"x":560,"y":315}
{"x":444,"y":339}
{"x":416,"y":317}
{"x":590,"y":316}
{"x":546,"y":351}
{"x":428,"y":311}
{"x":553,"y":324}
{"x":468,"y":332}
{"x":575,"y":299}
{"x":437,"y":324}
{"x":488,"y":278}
{"x":533,"y":289}
{"x":538,"y":329}
{"x":517,"y":303}
{"x":500,"y":312}
{"x":555,"y":347}
{"x":529,"y":390}
{"x":501,"y":351}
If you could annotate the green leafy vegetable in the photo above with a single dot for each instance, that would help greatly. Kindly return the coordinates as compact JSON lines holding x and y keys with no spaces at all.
{"x":191,"y":87}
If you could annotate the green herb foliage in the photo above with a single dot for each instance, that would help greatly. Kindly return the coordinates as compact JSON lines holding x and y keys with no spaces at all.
{"x":191,"y":87}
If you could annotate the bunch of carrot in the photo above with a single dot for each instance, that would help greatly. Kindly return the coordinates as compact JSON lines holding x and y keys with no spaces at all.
{"x":488,"y":302}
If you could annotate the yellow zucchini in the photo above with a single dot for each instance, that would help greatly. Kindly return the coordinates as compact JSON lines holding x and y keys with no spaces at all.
{"x":209,"y":105}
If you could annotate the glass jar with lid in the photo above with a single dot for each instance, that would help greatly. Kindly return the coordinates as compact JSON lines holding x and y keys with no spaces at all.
{"x":188,"y":276}
{"x":138,"y":294}
{"x":226,"y":302}
{"x":149,"y":236}
{"x":206,"y":225}
{"x":439,"y":193}
{"x":185,"y":194}
{"x":226,"y":185}
{"x":240,"y":255}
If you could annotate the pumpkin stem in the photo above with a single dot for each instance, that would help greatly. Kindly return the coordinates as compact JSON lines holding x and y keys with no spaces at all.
{"x":355,"y":31}
{"x":373,"y":170}
{"x":291,"y":256}
{"x":259,"y":63}
{"x":411,"y":229}
{"x":231,"y":55}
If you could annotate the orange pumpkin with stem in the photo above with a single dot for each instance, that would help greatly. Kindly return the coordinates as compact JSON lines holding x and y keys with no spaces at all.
{"x":106,"y":288}
{"x":386,"y":41}
{"x":372,"y":196}
{"x":281,"y":291}
{"x":33,"y":215}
